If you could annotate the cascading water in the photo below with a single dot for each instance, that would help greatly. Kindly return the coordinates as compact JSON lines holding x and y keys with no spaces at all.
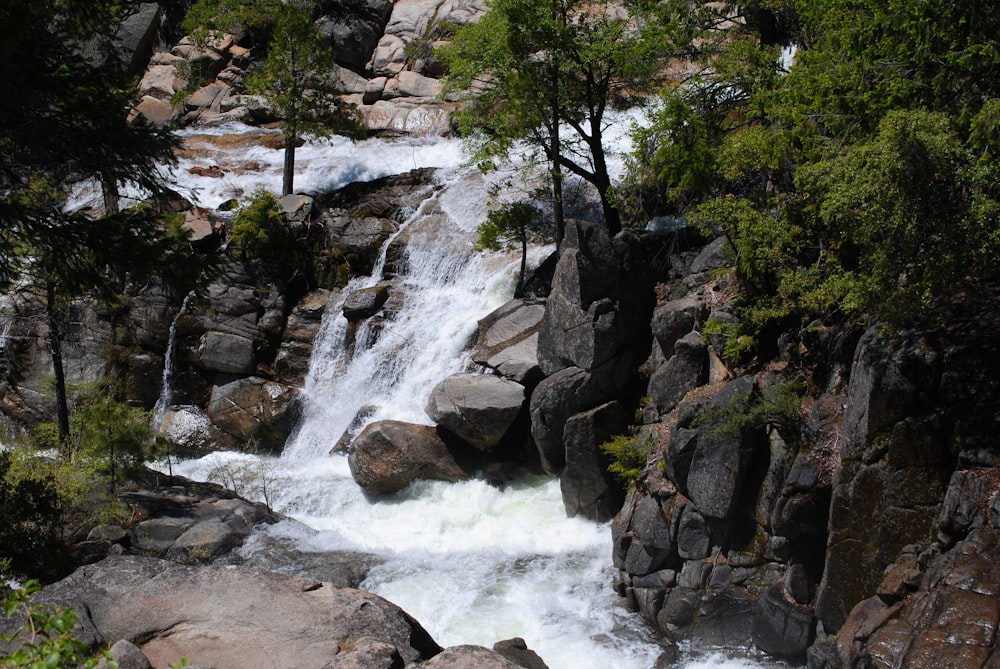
{"x":166,"y":385}
{"x":473,"y":563}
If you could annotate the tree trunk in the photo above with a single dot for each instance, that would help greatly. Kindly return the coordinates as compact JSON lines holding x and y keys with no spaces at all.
{"x":558,"y":213}
{"x":288,"y":176}
{"x":602,"y":180}
{"x":112,"y":198}
{"x":519,"y":290}
{"x":55,"y":349}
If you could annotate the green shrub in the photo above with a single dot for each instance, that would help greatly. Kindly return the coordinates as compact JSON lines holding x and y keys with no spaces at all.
{"x":45,"y":636}
{"x":628,"y":453}
{"x":258,"y":230}
{"x":776,"y":406}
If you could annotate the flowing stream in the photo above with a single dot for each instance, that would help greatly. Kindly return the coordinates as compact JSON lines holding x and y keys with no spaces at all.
{"x":472,"y":562}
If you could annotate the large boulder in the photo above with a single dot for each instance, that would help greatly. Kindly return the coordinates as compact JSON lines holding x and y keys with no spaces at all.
{"x":479,"y":408}
{"x":470,"y":657}
{"x":684,"y":371}
{"x":508,"y":341}
{"x":554,"y":401}
{"x":227,"y":352}
{"x":588,"y":489}
{"x":354,"y":28}
{"x":388,"y":455}
{"x":725,"y":452}
{"x":253,"y":409}
{"x":230,"y":618}
{"x":588,"y":314}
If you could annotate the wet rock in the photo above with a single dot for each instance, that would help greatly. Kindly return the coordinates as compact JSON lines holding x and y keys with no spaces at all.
{"x":291,"y":364}
{"x":191,"y":431}
{"x":478,"y":408}
{"x":556,"y":398}
{"x":365,"y":302}
{"x":780,"y":628}
{"x":388,"y":455}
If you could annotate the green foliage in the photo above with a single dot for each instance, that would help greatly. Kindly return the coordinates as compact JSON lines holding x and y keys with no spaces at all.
{"x":506,"y":227}
{"x":776,"y":406}
{"x":207,"y":18}
{"x":297,"y":80}
{"x":258,"y":230}
{"x":259,"y":233}
{"x":45,"y":636}
{"x":31,"y":512}
{"x":861,"y":184}
{"x":739,"y":346}
{"x":534,"y":67}
{"x":628,"y":453}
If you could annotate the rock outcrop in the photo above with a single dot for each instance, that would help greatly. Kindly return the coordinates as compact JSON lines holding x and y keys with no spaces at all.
{"x":233,"y":618}
{"x":590,"y":342}
{"x":385,"y":69}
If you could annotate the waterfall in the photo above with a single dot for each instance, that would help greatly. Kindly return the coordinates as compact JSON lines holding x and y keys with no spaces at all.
{"x":473,"y":563}
{"x":166,"y":384}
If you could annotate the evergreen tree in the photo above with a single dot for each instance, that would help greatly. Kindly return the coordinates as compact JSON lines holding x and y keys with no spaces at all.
{"x":535,"y":68}
{"x":297,"y":80}
{"x":297,"y":76}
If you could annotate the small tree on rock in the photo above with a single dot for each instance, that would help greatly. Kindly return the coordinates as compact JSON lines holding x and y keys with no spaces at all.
{"x":297,"y":79}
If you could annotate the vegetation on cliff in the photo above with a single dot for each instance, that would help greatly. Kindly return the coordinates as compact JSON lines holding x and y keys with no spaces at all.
{"x":845,"y":149}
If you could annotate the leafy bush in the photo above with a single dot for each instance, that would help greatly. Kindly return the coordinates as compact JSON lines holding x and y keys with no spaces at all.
{"x":31,"y":512}
{"x":258,"y":230}
{"x":45,"y":636}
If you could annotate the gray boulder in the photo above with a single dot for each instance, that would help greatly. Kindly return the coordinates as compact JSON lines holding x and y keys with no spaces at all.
{"x":127,"y":655}
{"x":556,"y":398}
{"x":253,"y":409}
{"x":470,"y":657}
{"x":672,"y":320}
{"x":723,"y":455}
{"x":388,"y":455}
{"x":479,"y":408}
{"x":780,"y":627}
{"x":365,"y":302}
{"x":588,"y":489}
{"x":684,"y":371}
{"x":508,"y":341}
{"x":227,"y":353}
{"x":354,"y":28}
{"x":229,"y":618}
